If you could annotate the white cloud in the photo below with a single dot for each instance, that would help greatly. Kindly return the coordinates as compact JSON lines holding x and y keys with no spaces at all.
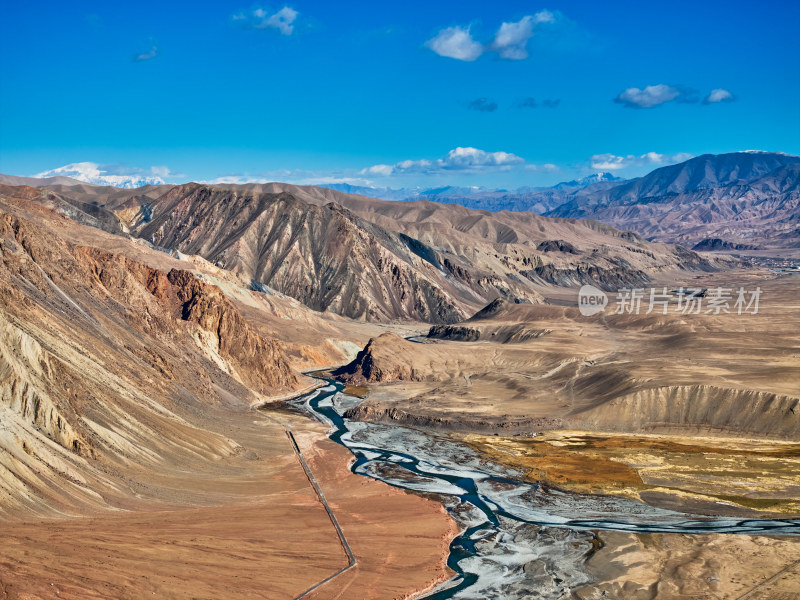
{"x":293,"y":176}
{"x":149,"y":55}
{"x":608,"y":162}
{"x":456,"y":42}
{"x":655,"y":95}
{"x":719,"y":95}
{"x":463,"y":159}
{"x":282,"y":20}
{"x":612,"y":162}
{"x":121,"y":177}
{"x":379,"y":170}
{"x":547,"y":167}
{"x":511,"y":40}
{"x":235,"y":179}
{"x":323,"y":180}
{"x":160,"y":171}
{"x":468,"y":160}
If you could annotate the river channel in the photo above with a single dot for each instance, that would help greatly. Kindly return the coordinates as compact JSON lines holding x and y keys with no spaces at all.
{"x":517,"y":539}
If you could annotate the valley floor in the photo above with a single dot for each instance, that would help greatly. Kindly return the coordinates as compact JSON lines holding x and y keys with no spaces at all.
{"x":273,"y":540}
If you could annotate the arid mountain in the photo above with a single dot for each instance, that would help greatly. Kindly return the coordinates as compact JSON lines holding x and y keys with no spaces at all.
{"x":37,"y":181}
{"x":325,"y":256}
{"x":745,"y":198}
{"x":748,"y":199}
{"x":82,"y":202}
{"x":371,"y":259}
{"x":103,"y":359}
{"x":128,"y":376}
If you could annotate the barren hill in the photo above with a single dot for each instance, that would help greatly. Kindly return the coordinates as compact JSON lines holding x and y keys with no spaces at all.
{"x":372,"y":259}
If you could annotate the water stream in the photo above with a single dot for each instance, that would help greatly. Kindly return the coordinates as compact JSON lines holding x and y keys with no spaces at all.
{"x":517,"y":540}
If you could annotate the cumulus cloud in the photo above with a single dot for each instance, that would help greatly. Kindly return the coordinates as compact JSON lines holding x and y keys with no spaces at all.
{"x":161,"y":171}
{"x":379,"y":170}
{"x":467,"y":160}
{"x":655,"y":95}
{"x":283,"y":20}
{"x":719,"y":95}
{"x":149,"y":55}
{"x":117,"y":176}
{"x":483,"y":105}
{"x":510,"y":42}
{"x":456,"y":42}
{"x":234,"y":179}
{"x":612,"y":162}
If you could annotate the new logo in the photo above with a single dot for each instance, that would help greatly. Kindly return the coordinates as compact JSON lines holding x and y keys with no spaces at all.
{"x":591,"y":300}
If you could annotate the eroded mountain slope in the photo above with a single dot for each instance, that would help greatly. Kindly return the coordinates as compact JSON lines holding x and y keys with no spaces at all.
{"x":377,"y":260}
{"x":101,"y":357}
{"x":743,"y":198}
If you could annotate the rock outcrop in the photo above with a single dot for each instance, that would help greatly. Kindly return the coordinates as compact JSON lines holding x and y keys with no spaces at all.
{"x":504,"y":334}
{"x":385,"y":358}
{"x":221,"y":333}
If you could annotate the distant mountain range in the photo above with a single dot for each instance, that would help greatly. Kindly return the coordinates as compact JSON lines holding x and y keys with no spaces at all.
{"x":736,"y":201}
{"x":742,"y":199}
{"x":534,"y":199}
{"x":730,"y":202}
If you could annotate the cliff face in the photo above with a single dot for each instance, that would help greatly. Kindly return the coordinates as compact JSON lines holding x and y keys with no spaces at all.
{"x":217,"y":329}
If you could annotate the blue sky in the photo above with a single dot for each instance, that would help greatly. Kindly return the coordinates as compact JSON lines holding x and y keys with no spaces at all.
{"x":394,"y":94}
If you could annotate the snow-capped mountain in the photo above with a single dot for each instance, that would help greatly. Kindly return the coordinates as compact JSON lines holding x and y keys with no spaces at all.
{"x":586,"y":181}
{"x":90,"y":172}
